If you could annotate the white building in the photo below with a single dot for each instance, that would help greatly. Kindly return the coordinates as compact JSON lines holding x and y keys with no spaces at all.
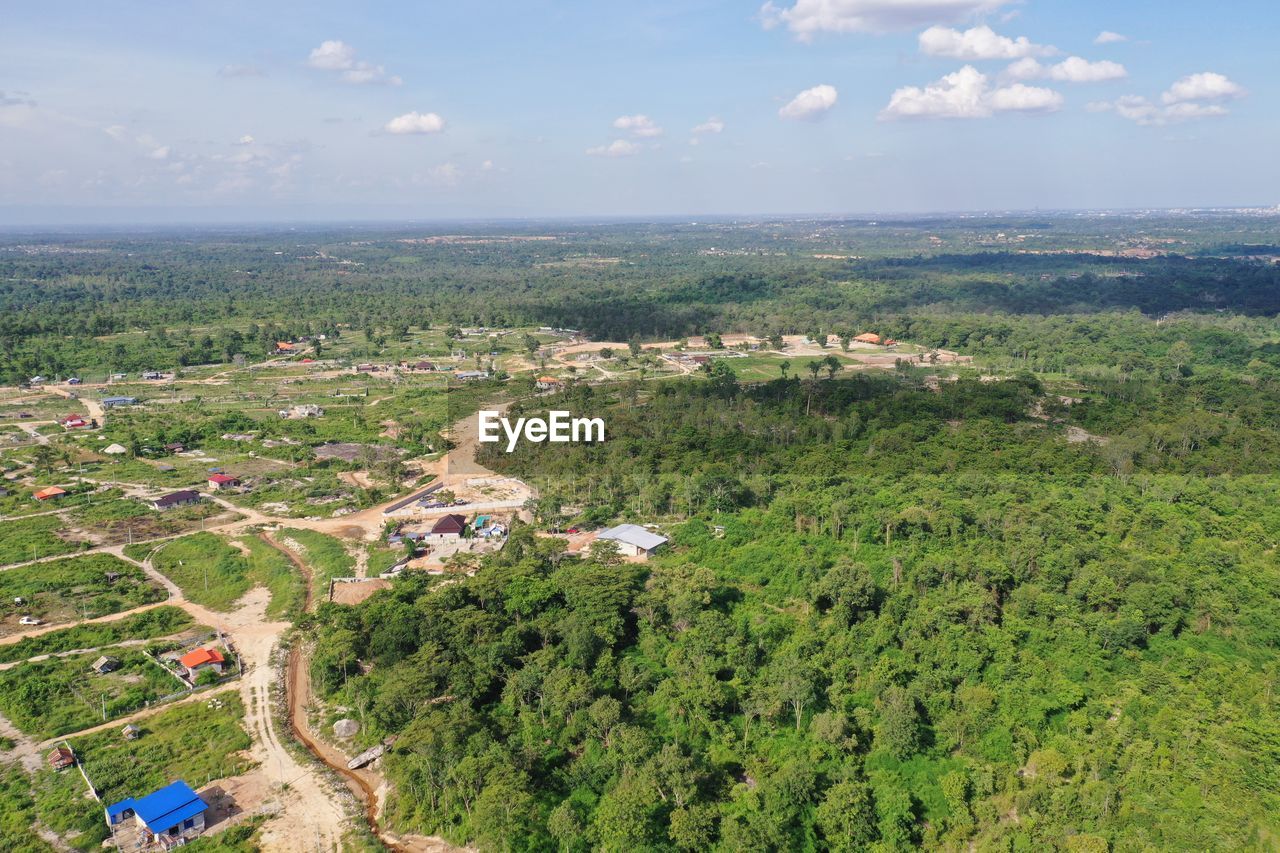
{"x":633,"y":540}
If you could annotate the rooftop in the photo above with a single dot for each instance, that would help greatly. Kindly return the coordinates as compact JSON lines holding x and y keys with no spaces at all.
{"x":633,"y":534}
{"x":163,"y":809}
{"x":199,"y":657}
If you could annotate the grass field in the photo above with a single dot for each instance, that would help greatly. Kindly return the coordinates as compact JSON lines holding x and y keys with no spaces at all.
{"x":73,"y":588}
{"x":17,"y":811}
{"x":193,"y":742}
{"x":327,"y":557}
{"x":60,"y":695}
{"x":160,"y":622}
{"x":216,"y":573}
{"x":273,"y":569}
{"x":33,"y":538}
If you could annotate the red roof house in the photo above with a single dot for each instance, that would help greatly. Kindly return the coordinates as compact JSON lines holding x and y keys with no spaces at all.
{"x":49,"y":492}
{"x":222,"y":481}
{"x":199,"y":659}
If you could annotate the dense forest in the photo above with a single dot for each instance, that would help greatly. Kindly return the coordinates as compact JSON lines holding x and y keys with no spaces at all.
{"x":890,"y":617}
{"x":200,"y":298}
{"x":1025,"y":602}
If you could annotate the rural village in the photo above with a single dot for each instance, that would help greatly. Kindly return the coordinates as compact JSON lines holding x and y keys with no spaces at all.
{"x":153,"y":569}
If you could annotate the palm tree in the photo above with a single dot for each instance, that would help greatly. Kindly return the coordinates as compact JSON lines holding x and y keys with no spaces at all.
{"x":784,"y":367}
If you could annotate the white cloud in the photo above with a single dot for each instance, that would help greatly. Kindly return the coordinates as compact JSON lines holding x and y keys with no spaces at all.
{"x":1205,"y":86}
{"x":159,"y":153}
{"x":967,"y":93}
{"x":1189,"y":110}
{"x":1020,"y":98}
{"x":245,"y":140}
{"x":808,"y":18}
{"x":415,"y":122}
{"x":811,"y":103}
{"x":486,"y":166}
{"x":1138,"y":109}
{"x":617,"y":148}
{"x":711,"y":125}
{"x":1108,"y":37}
{"x":1073,"y":69}
{"x":366,"y":73}
{"x":334,"y":55}
{"x":978,"y":43}
{"x":639,"y":125}
{"x":1195,"y":96}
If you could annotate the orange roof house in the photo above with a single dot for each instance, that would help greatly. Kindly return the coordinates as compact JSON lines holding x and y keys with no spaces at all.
{"x":868,"y":338}
{"x":201,"y":657}
{"x":49,"y":492}
{"x":283,"y":346}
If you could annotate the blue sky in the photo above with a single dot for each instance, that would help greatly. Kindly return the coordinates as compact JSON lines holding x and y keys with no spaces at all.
{"x":137,"y":111}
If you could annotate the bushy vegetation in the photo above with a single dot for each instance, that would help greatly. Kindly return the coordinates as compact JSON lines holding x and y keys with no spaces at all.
{"x":925,"y":613}
{"x":325,"y":556}
{"x":17,"y":813}
{"x":196,"y":742}
{"x":32,"y":539}
{"x":148,"y":625}
{"x":82,"y":587}
{"x":62,"y":694}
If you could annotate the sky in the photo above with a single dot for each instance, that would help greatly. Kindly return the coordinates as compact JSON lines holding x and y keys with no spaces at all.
{"x":283,"y":111}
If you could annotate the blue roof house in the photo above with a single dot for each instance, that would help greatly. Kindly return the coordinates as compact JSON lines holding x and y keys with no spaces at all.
{"x":166,"y":818}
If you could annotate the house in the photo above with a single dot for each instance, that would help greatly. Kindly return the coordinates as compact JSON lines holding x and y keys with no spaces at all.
{"x":182,"y":498}
{"x":217,"y":482}
{"x":104,"y":664}
{"x":448,"y":528}
{"x":73,"y":422}
{"x":152,"y":374}
{"x":549,"y":383}
{"x":633,"y":540}
{"x":309,"y":410}
{"x":112,"y":402}
{"x":167,"y":818}
{"x":471,"y":375}
{"x":869,"y":338}
{"x":115,"y":449}
{"x":49,"y":492}
{"x":61,"y":758}
{"x":74,"y":380}
{"x":365,"y":368}
{"x":424,"y":365}
{"x":119,"y":376}
{"x":37,"y":380}
{"x":201,"y":659}
{"x":131,"y":732}
{"x":284,"y":348}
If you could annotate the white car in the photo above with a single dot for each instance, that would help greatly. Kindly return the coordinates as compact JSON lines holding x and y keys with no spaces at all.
{"x":28,"y":620}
